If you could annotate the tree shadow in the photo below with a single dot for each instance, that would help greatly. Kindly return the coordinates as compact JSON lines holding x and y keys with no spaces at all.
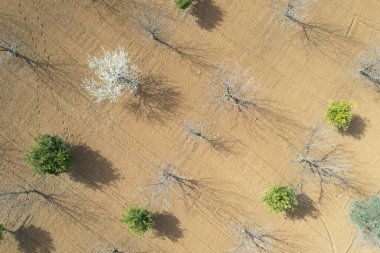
{"x":91,"y":169}
{"x":326,"y":38}
{"x":261,"y":115}
{"x":34,"y":239}
{"x":154,"y":100}
{"x":218,"y":198}
{"x":220,"y":143}
{"x":306,"y":208}
{"x":194,"y":54}
{"x":357,"y":127}
{"x":167,"y":225}
{"x":208,"y":15}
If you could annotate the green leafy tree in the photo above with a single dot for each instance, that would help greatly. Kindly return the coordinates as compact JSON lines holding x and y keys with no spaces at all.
{"x":366,"y":216}
{"x":50,"y":154}
{"x":138,"y":220}
{"x":339,"y":113}
{"x":280,"y":198}
{"x":183,"y":4}
{"x":2,"y":230}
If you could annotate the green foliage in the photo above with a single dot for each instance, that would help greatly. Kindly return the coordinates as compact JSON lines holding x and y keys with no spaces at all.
{"x":183,"y":4}
{"x":366,"y":215}
{"x":138,"y":220}
{"x":280,"y":198}
{"x":2,"y":229}
{"x":339,"y":113}
{"x":51,"y":154}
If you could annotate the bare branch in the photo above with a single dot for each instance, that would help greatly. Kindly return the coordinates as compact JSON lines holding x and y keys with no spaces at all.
{"x":369,"y":66}
{"x":323,"y":162}
{"x":150,"y":18}
{"x":201,"y":132}
{"x":251,"y":238}
{"x":166,"y":182}
{"x":234,"y":85}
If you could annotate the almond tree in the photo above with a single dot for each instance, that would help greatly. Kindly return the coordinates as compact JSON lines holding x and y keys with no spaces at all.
{"x":232,"y":88}
{"x":369,"y":66}
{"x":199,"y":132}
{"x":166,"y":182}
{"x":323,"y":162}
{"x":115,"y":73}
{"x":315,"y":33}
{"x":251,"y":238}
{"x":151,"y":19}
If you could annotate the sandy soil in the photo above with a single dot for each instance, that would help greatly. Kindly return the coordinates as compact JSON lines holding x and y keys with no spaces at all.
{"x":116,"y":145}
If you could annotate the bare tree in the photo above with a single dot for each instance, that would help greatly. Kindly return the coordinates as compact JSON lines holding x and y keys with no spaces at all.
{"x":195,"y":130}
{"x":251,"y":238}
{"x":369,"y":66}
{"x":316,"y":33}
{"x":200,"y":132}
{"x":236,"y":90}
{"x":115,"y":72}
{"x":166,"y":182}
{"x":322,"y":161}
{"x":295,"y":12}
{"x":151,"y":19}
{"x":233,"y":87}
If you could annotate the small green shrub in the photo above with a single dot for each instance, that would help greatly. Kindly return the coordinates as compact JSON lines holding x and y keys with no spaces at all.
{"x":2,"y":229}
{"x":51,"y":154}
{"x":183,"y":4}
{"x":339,"y":113}
{"x":280,"y":198}
{"x":366,"y":215}
{"x":138,"y":220}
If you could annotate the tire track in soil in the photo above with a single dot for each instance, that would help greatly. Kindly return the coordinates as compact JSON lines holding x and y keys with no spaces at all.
{"x":332,"y":246}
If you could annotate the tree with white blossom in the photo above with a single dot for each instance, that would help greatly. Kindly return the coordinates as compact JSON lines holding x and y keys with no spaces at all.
{"x":115,"y":73}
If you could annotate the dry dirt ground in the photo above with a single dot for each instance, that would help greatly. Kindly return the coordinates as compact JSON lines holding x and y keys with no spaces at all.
{"x":116,"y":145}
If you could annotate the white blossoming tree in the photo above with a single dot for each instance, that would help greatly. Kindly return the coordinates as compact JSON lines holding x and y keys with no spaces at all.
{"x":115,"y":73}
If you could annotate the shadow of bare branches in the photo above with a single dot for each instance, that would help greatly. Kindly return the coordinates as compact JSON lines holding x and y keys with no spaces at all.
{"x":327,"y":164}
{"x":166,"y":225}
{"x":261,"y":115}
{"x":216,"y":197}
{"x":92,"y":169}
{"x":220,"y":143}
{"x":155,"y":100}
{"x":324,"y":37}
{"x":208,"y":15}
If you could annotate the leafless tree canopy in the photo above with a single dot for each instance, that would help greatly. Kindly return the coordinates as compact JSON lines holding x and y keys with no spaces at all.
{"x":251,"y":238}
{"x":369,"y":66}
{"x":203,"y":133}
{"x":233,"y":87}
{"x":316,"y":33}
{"x":167,"y":183}
{"x":322,"y":161}
{"x":151,"y":19}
